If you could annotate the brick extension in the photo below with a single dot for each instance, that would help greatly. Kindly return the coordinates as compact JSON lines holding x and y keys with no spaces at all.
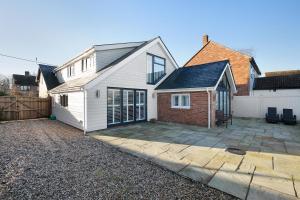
{"x":240,"y":63}
{"x":196,"y":115}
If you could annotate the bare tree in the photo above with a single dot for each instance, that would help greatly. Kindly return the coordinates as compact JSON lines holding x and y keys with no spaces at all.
{"x":248,"y":51}
{"x":4,"y":85}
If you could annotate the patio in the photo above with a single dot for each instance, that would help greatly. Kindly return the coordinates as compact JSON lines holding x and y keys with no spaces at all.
{"x":269,"y":169}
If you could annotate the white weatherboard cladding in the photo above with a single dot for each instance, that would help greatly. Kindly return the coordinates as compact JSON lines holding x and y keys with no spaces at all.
{"x":62,"y":74}
{"x":131,"y":75}
{"x":73,"y":114}
{"x":43,"y":92}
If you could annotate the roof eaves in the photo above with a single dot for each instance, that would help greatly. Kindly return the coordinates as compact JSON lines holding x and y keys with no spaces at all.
{"x":252,"y":61}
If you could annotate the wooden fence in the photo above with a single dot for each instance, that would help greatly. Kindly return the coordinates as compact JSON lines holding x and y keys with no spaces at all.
{"x":19,"y":108}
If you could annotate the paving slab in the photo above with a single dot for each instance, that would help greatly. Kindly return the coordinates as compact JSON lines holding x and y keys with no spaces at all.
{"x":272,"y":154}
{"x":197,"y":173}
{"x":260,"y":160}
{"x":257,"y":192}
{"x":233,"y":182}
{"x":288,"y":164}
{"x":170,"y":161}
{"x":274,"y":180}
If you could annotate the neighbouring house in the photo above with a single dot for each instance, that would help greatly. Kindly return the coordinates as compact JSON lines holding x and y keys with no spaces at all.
{"x":282,"y":73}
{"x":280,"y":85}
{"x":244,"y":67}
{"x":191,"y":95}
{"x":46,"y":80}
{"x":24,"y":85}
{"x":274,"y":90}
{"x":111,"y":84}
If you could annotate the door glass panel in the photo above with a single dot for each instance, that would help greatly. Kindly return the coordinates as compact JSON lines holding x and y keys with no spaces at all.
{"x":140,"y":105}
{"x":128,"y":96}
{"x":113,"y":106}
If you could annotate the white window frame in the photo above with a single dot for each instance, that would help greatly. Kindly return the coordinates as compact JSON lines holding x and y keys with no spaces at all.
{"x":180,"y":106}
{"x":71,"y":70}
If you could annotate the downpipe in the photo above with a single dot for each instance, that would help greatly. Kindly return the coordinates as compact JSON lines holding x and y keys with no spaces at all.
{"x":208,"y":103}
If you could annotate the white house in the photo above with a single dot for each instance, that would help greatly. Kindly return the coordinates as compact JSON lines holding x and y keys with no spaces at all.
{"x":109,"y":84}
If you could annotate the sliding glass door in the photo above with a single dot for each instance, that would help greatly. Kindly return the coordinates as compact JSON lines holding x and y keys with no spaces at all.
{"x":126,"y":105}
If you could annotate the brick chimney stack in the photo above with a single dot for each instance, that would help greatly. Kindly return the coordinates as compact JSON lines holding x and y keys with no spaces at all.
{"x":204,"y":39}
{"x":26,"y":73}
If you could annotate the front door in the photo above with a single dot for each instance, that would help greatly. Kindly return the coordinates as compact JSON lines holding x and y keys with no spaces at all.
{"x":126,"y":105}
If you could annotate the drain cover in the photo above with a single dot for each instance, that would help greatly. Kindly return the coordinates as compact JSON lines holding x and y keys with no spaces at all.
{"x":235,"y":150}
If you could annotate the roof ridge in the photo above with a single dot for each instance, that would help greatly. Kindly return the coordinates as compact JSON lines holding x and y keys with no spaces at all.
{"x":226,"y":60}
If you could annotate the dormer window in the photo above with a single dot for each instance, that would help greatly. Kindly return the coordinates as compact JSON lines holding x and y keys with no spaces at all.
{"x":71,"y":71}
{"x":84,"y":64}
{"x":156,"y":68}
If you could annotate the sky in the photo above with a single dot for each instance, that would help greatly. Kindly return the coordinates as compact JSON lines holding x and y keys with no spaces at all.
{"x":54,"y":31}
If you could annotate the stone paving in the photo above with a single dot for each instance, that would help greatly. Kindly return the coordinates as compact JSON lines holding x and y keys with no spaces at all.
{"x":270,"y":169}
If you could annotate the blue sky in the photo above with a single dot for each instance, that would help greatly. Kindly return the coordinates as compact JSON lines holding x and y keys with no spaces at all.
{"x":54,"y":31}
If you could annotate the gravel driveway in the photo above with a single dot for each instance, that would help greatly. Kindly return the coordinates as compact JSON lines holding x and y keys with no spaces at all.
{"x":42,"y":159}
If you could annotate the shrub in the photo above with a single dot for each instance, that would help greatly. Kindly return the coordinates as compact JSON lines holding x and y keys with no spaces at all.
{"x":2,"y":93}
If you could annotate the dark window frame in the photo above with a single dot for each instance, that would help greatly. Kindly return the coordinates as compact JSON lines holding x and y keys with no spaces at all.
{"x":152,"y":73}
{"x":63,"y":100}
{"x":122,"y":122}
{"x":223,"y":92}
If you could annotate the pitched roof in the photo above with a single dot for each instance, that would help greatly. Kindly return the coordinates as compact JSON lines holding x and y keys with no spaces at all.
{"x":78,"y":83}
{"x":124,"y":56}
{"x":277,"y":82}
{"x":49,"y":76}
{"x":27,"y":80}
{"x":197,"y":76}
{"x":115,"y":51}
{"x":251,"y":59}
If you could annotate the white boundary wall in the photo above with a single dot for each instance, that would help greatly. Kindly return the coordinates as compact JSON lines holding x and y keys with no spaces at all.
{"x":257,"y":106}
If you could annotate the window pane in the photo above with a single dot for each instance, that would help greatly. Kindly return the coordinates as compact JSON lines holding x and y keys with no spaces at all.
{"x":142,"y":112}
{"x":159,"y":60}
{"x":185,"y":100}
{"x":109,"y":115}
{"x":175,"y":100}
{"x":149,"y":69}
{"x":117,"y":97}
{"x":110,"y":97}
{"x":142,"y":98}
{"x":117,"y":114}
{"x":130,"y":113}
{"x":159,"y":71}
{"x":130,"y":97}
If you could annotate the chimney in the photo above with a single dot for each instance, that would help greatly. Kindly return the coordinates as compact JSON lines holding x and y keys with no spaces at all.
{"x":26,"y":73}
{"x":204,"y":39}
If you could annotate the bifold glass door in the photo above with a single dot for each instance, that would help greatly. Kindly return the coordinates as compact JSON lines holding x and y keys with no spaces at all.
{"x":126,"y":105}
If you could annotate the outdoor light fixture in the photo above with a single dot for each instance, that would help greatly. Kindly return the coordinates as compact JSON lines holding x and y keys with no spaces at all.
{"x":98,"y":93}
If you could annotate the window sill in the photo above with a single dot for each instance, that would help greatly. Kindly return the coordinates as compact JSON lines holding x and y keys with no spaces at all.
{"x":181,"y":107}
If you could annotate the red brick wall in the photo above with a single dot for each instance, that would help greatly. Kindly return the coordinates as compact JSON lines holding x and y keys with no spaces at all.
{"x":196,"y":115}
{"x":240,"y":63}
